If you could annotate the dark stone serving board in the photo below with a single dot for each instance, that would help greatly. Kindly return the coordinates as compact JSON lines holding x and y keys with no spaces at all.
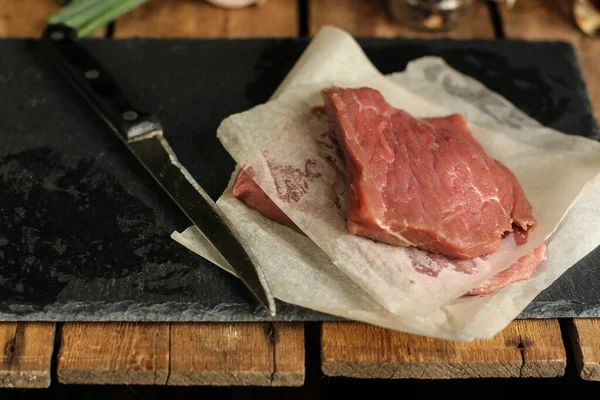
{"x":85,"y":232}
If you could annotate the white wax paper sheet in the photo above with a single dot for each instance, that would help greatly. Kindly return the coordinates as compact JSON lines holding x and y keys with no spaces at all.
{"x":290,"y":150}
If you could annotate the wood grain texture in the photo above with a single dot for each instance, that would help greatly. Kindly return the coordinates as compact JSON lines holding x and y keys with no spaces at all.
{"x":526,"y":348}
{"x":553,"y":20}
{"x":237,"y":354}
{"x":372,"y":18}
{"x":289,"y":368}
{"x":26,"y":353}
{"x":114,"y":353}
{"x":585,"y":338}
{"x":25,"y":18}
{"x":28,"y":18}
{"x":196,"y":18}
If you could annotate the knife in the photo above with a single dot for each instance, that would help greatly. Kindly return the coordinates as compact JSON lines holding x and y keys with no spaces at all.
{"x":142,"y":133}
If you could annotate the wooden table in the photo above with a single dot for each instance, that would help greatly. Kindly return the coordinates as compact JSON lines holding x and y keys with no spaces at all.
{"x":273,"y":354}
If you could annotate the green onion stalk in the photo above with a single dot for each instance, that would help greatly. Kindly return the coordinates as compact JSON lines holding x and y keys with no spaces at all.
{"x":85,"y":16}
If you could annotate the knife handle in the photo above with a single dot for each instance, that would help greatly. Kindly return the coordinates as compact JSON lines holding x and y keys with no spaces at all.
{"x":94,"y":83}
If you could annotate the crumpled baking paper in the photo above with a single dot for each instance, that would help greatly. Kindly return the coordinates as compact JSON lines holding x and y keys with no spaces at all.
{"x":295,"y":162}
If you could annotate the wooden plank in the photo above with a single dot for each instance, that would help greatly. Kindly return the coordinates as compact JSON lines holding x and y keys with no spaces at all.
{"x":526,"y":348}
{"x":25,"y":18}
{"x":544,"y":354}
{"x":26,"y":353}
{"x":238,"y":354}
{"x":289,"y":368}
{"x":373,"y":18}
{"x":114,"y":353}
{"x":194,"y":18}
{"x":553,"y":20}
{"x":26,"y":347}
{"x":585,"y":338}
{"x":28,"y":18}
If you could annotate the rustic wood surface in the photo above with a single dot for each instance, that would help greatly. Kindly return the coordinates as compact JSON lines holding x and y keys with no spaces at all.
{"x":114,"y":353}
{"x":26,"y":354}
{"x":553,"y":20}
{"x":238,"y":354}
{"x":273,"y":354}
{"x":194,"y":18}
{"x":184,"y":354}
{"x":373,"y":18}
{"x":28,"y":18}
{"x":585,"y":338}
{"x":25,"y":18}
{"x":289,"y":357}
{"x":523,"y":349}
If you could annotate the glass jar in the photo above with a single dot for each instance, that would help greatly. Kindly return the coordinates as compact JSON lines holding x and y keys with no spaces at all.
{"x":430,"y":15}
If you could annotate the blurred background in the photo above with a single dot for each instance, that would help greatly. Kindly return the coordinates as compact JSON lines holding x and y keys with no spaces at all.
{"x":252,"y":18}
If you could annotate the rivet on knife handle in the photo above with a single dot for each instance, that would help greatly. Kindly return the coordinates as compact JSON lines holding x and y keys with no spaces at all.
{"x":142,"y":133}
{"x":94,"y":83}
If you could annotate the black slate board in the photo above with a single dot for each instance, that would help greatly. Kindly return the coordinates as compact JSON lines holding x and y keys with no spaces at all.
{"x":84,"y":231}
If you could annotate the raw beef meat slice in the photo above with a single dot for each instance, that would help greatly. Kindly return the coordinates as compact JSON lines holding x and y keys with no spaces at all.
{"x":245,"y":189}
{"x":521,"y":270}
{"x":423,"y":182}
{"x":248,"y":191}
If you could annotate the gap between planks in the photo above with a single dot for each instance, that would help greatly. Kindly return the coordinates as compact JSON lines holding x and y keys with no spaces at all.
{"x":525,"y":348}
{"x":27,"y":348}
{"x":182,"y":354}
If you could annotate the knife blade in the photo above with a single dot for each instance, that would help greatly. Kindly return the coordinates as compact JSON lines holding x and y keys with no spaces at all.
{"x":142,"y":133}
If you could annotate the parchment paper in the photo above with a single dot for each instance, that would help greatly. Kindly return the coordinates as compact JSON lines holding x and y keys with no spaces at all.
{"x":330,"y":270}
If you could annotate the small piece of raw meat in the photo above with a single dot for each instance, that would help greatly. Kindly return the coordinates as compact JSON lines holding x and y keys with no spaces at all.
{"x":521,"y":270}
{"x":423,"y":182}
{"x":245,"y":189}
